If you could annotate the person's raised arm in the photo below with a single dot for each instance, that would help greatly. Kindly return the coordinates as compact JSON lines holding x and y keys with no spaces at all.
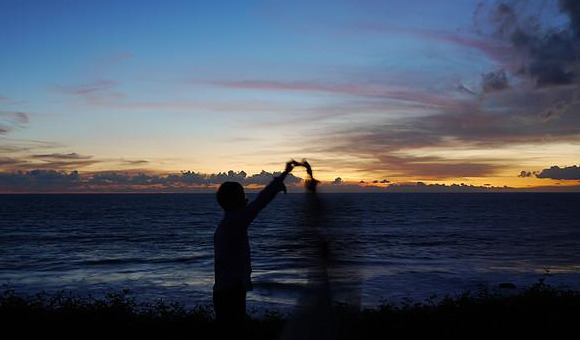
{"x":270,"y":191}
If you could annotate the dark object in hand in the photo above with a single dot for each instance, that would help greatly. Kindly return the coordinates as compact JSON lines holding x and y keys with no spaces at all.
{"x":310,"y":183}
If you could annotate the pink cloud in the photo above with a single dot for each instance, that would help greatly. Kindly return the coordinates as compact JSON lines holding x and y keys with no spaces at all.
{"x":104,"y":64}
{"x":86,"y":89}
{"x":4,"y":100}
{"x":495,"y":49}
{"x":361,"y":90}
{"x":116,"y":58}
{"x":189,"y":105}
{"x":498,"y":50}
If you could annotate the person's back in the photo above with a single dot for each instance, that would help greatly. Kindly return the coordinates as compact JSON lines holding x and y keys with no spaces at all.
{"x":232,"y":251}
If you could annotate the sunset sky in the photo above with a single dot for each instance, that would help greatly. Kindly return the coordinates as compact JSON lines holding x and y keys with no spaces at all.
{"x":110,"y":95}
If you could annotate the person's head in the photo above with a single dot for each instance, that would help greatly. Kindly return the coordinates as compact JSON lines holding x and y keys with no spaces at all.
{"x":231,"y":196}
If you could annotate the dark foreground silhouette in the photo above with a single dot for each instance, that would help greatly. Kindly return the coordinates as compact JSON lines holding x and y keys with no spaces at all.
{"x":539,"y":310}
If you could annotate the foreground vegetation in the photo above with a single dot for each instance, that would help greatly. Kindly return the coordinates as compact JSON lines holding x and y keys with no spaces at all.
{"x":539,"y":310}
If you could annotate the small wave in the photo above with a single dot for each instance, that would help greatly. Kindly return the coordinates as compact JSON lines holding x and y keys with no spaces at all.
{"x":432,"y":243}
{"x":278,"y":286}
{"x":136,"y":260}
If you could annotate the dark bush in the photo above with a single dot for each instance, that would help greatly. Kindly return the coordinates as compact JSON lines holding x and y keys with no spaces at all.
{"x":539,"y":310}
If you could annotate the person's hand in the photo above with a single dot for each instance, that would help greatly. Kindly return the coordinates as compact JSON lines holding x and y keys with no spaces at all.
{"x":290,"y":165}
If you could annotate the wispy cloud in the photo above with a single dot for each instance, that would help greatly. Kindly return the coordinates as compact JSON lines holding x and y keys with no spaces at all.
{"x":4,"y":161}
{"x":62,"y":156}
{"x":5,"y":101}
{"x":12,"y":120}
{"x":426,"y":168}
{"x":5,"y":149}
{"x":366,"y":90}
{"x":25,"y":156}
{"x":91,"y":93}
{"x":115,"y":58}
{"x":495,"y":49}
{"x":436,"y":168}
{"x":133,"y":162}
{"x":238,"y":106}
{"x":86,"y":89}
{"x":61,"y":161}
{"x":21,"y":161}
{"x":22,"y":146}
{"x":63,"y":165}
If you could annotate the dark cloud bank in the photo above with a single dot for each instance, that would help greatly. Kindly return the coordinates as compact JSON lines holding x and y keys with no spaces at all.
{"x":566,"y":173}
{"x":550,"y":53}
{"x":58,"y":181}
{"x":39,"y":181}
{"x":555,"y":172}
{"x":187,"y":181}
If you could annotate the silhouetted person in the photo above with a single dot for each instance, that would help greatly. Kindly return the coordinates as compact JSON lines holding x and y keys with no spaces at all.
{"x":232,"y":249}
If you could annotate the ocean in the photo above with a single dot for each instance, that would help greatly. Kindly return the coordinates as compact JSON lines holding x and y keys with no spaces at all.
{"x":370,"y":248}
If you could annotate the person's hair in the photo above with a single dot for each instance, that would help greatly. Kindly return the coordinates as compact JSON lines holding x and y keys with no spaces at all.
{"x":231,"y":196}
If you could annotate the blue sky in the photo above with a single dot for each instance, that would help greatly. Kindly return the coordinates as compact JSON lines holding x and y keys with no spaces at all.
{"x":366,"y":89}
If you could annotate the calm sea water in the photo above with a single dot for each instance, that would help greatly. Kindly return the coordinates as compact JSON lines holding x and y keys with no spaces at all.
{"x":380,"y":246}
